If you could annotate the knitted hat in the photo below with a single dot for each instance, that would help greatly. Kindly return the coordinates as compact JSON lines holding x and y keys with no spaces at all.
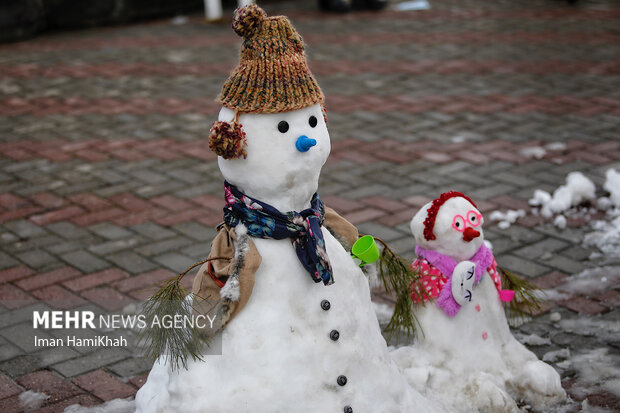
{"x":273,"y":75}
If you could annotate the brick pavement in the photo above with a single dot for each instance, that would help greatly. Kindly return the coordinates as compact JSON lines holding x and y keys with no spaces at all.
{"x":107,"y":186}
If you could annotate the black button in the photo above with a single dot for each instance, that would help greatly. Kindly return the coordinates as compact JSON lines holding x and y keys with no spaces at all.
{"x":348,"y":409}
{"x":334,"y":335}
{"x":341,"y":380}
{"x":325,"y":305}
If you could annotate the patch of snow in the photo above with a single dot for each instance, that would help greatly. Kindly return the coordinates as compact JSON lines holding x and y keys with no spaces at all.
{"x":488,"y":244}
{"x":556,"y":355}
{"x":555,"y":317}
{"x":533,"y":152}
{"x":612,"y":185}
{"x":590,"y":326}
{"x":560,"y":222}
{"x":31,"y":400}
{"x":598,"y":368}
{"x":532,"y":339}
{"x":605,"y":237}
{"x":577,"y":189}
{"x":505,"y":219}
{"x":112,"y":406}
{"x":413,"y":5}
{"x":589,"y":282}
{"x":540,"y":198}
{"x":555,"y":146}
{"x":179,"y":20}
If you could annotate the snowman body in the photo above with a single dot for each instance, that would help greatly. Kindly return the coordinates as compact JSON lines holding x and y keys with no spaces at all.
{"x":470,"y":360}
{"x":297,"y":345}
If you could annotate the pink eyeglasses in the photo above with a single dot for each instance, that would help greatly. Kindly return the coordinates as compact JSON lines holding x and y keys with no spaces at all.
{"x":473,"y":220}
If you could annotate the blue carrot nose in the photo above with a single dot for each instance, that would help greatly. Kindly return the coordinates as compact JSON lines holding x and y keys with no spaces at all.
{"x":304,"y":143}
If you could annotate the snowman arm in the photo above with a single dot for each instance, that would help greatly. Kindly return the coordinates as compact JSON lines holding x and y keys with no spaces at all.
{"x":446,"y":301}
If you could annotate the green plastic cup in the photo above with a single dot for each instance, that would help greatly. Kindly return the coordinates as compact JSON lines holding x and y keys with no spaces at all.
{"x":366,"y":250}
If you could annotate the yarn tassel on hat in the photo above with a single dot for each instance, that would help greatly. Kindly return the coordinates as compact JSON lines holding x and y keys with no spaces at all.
{"x":228,"y":139}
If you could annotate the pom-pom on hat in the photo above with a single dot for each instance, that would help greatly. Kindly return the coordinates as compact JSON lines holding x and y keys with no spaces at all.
{"x":272,"y":75}
{"x":433,"y":210}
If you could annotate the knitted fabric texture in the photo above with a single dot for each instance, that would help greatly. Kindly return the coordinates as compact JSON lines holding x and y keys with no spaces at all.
{"x":272,"y":75}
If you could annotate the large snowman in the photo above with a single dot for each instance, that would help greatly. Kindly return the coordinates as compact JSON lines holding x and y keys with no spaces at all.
{"x":302,"y":334}
{"x":465,"y":353}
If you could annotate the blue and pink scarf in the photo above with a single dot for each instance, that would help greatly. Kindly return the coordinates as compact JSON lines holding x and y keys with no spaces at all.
{"x":303,"y":228}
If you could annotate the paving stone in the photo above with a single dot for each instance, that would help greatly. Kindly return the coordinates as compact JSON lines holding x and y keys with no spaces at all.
{"x":50,"y":383}
{"x":20,"y":365}
{"x":37,"y":259}
{"x":8,"y":387}
{"x":131,"y":367}
{"x":132,"y":262}
{"x":95,"y":279}
{"x":85,"y":261}
{"x":54,"y":355}
{"x":68,"y":230}
{"x":104,"y":386}
{"x":88,"y":362}
{"x":174,"y":261}
{"x":110,"y":231}
{"x":23,"y":336}
{"x":152,"y":230}
{"x":196,"y":231}
{"x":583,"y":305}
{"x":521,"y":266}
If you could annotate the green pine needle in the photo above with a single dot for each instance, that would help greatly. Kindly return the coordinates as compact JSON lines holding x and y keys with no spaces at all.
{"x":178,"y":344}
{"x":398,"y":278}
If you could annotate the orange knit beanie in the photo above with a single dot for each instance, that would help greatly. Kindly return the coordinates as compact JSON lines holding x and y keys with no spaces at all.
{"x":273,"y":75}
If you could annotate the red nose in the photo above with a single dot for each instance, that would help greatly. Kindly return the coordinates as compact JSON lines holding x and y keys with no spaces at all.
{"x":470,"y":234}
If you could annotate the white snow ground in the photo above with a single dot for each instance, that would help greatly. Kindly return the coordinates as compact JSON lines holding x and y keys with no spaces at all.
{"x":596,"y":368}
{"x":31,"y":400}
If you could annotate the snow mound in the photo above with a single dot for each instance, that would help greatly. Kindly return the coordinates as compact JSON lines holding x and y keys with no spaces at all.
{"x":535,"y":152}
{"x":31,"y":400}
{"x":112,"y":406}
{"x":505,"y":219}
{"x":578,"y":188}
{"x":612,"y":185}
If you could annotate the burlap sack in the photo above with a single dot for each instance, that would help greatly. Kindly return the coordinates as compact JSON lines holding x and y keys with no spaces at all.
{"x":223,"y":287}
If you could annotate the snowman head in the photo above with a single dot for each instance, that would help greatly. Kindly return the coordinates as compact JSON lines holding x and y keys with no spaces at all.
{"x":271,"y":138}
{"x":277,"y":169}
{"x":451,"y":225}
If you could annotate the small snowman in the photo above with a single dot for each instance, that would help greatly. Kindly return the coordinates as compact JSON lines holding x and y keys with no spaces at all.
{"x":294,"y":314}
{"x":465,"y":353}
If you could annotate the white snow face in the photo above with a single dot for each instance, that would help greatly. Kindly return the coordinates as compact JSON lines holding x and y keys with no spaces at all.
{"x":275,"y":171}
{"x":458,"y":229}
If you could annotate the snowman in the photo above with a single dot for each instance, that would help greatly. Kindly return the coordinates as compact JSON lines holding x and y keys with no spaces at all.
{"x":296,"y":322}
{"x":465,"y":353}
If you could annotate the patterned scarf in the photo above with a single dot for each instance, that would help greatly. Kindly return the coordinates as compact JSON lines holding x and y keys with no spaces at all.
{"x":304,"y":228}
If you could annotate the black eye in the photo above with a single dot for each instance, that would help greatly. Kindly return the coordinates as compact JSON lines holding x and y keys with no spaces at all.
{"x":283,"y":126}
{"x":312,"y":121}
{"x":458,"y":225}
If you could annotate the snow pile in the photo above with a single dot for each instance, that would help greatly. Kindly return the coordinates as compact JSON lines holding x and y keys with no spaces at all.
{"x":32,"y":400}
{"x":505,"y":219}
{"x":612,"y":185}
{"x":577,"y":189}
{"x":597,"y":369}
{"x":112,"y":406}
{"x":535,"y":152}
{"x":532,"y":339}
{"x":606,"y":234}
{"x":589,"y":282}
